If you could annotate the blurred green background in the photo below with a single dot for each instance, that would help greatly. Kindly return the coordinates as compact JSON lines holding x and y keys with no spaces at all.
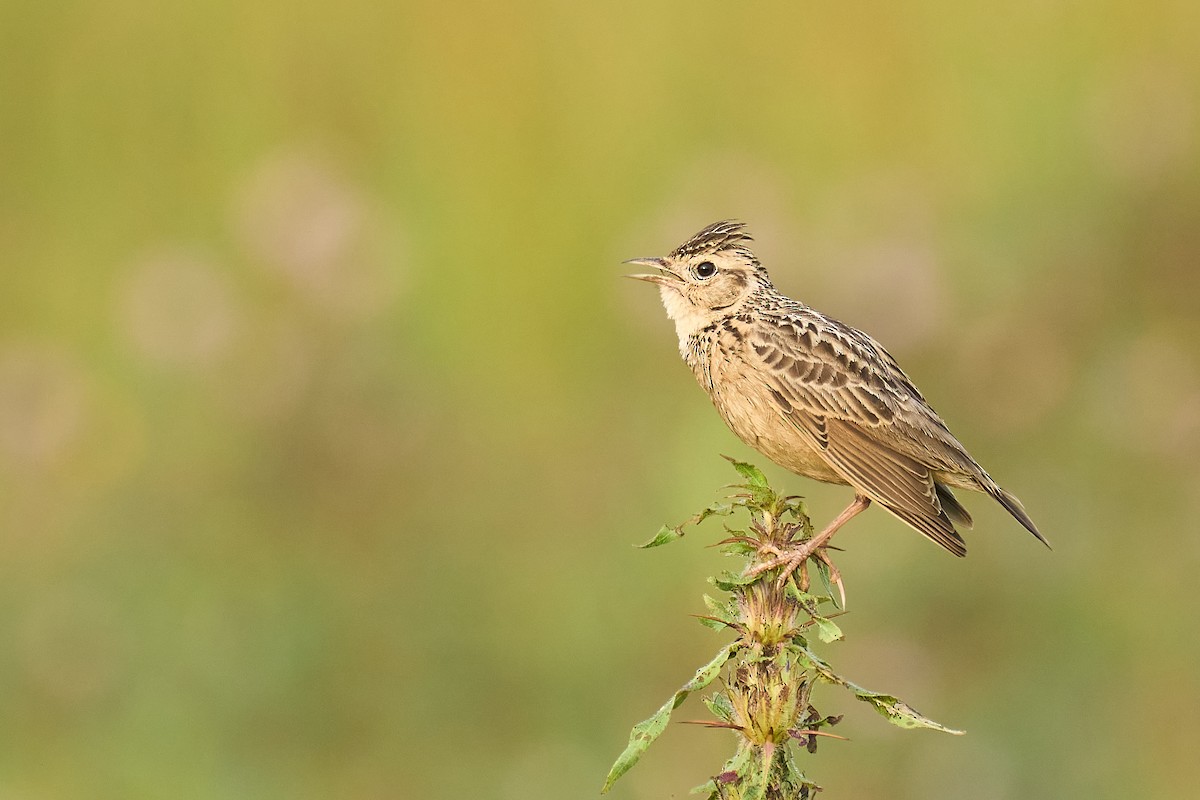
{"x":326,"y":423}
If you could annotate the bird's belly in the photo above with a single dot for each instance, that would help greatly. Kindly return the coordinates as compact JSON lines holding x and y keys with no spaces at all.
{"x":757,"y":421}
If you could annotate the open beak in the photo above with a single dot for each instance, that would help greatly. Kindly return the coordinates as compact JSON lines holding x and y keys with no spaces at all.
{"x":664,"y":276}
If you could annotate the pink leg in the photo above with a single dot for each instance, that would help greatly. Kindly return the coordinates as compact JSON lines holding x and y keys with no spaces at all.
{"x":793,"y":559}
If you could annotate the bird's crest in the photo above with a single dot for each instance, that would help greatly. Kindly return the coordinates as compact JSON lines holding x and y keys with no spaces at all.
{"x":726,"y":235}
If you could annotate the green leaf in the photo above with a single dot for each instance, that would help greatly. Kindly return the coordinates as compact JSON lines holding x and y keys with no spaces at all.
{"x":751,"y":473}
{"x":724,"y":615}
{"x":726,"y":611}
{"x":826,"y":580}
{"x":646,"y":731}
{"x":665,"y":534}
{"x":715,"y":624}
{"x":897,"y":711}
{"x":739,"y":549}
{"x":720,"y":707}
{"x":736,"y":768}
{"x":728,"y":582}
{"x":816,"y":664}
{"x":794,"y":780}
{"x":827,"y":631}
{"x":808,"y":601}
{"x":668,"y":533}
{"x":715,"y":510}
{"x":795,"y":506}
{"x":758,"y":789}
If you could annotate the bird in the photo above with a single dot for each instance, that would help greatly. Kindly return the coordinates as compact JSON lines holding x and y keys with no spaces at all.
{"x":815,"y":395}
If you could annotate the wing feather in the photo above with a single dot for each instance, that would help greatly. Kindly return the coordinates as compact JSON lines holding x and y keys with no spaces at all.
{"x":828,"y":383}
{"x":895,"y":481}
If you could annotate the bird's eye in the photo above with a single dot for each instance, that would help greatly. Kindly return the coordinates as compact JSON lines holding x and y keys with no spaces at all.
{"x":706,"y":269}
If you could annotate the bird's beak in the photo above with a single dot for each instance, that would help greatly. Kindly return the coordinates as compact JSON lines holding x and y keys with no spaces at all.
{"x":664,"y":276}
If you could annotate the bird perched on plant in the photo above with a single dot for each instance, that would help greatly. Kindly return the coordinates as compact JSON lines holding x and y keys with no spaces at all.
{"x":815,"y":395}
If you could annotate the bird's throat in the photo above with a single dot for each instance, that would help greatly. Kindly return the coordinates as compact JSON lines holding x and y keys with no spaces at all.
{"x":689,"y":319}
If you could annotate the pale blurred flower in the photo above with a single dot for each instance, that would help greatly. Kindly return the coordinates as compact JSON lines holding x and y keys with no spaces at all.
{"x":308,"y":223}
{"x":176,"y":308}
{"x":299,"y":217}
{"x":43,"y":405}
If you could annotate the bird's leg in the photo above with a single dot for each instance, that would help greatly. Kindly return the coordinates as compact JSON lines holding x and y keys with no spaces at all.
{"x":794,"y":557}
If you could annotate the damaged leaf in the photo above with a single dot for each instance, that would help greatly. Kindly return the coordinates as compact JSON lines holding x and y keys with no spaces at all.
{"x":646,"y":731}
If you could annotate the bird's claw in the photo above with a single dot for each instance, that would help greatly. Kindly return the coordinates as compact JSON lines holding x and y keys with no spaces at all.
{"x":790,"y":559}
{"x":795,"y":560}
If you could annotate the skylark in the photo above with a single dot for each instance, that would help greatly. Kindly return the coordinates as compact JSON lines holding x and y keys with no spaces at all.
{"x":815,"y":395}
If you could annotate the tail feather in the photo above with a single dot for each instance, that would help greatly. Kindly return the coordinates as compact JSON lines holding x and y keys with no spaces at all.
{"x":1014,"y":507}
{"x":952,"y":507}
{"x":938,"y":528}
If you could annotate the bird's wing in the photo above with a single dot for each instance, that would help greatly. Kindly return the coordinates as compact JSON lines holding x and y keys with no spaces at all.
{"x":858,"y":410}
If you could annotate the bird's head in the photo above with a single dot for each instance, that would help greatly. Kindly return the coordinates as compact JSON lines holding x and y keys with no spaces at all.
{"x":706,"y":278}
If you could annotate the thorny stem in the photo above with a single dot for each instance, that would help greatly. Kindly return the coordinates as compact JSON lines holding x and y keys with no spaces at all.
{"x":770,"y":668}
{"x":769,"y":690}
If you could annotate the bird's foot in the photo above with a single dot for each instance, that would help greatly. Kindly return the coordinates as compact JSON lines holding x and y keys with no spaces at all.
{"x":790,"y":558}
{"x":794,"y":564}
{"x":781,"y":552}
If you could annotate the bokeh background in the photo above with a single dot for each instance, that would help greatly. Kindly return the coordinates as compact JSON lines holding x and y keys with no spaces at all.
{"x":326,"y":424}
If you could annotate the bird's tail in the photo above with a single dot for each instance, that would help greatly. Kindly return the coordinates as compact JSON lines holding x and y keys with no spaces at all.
{"x":1014,"y":507}
{"x":954,"y":509}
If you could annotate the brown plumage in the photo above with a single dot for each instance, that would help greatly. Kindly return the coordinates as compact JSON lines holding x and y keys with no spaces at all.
{"x":816,"y":396}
